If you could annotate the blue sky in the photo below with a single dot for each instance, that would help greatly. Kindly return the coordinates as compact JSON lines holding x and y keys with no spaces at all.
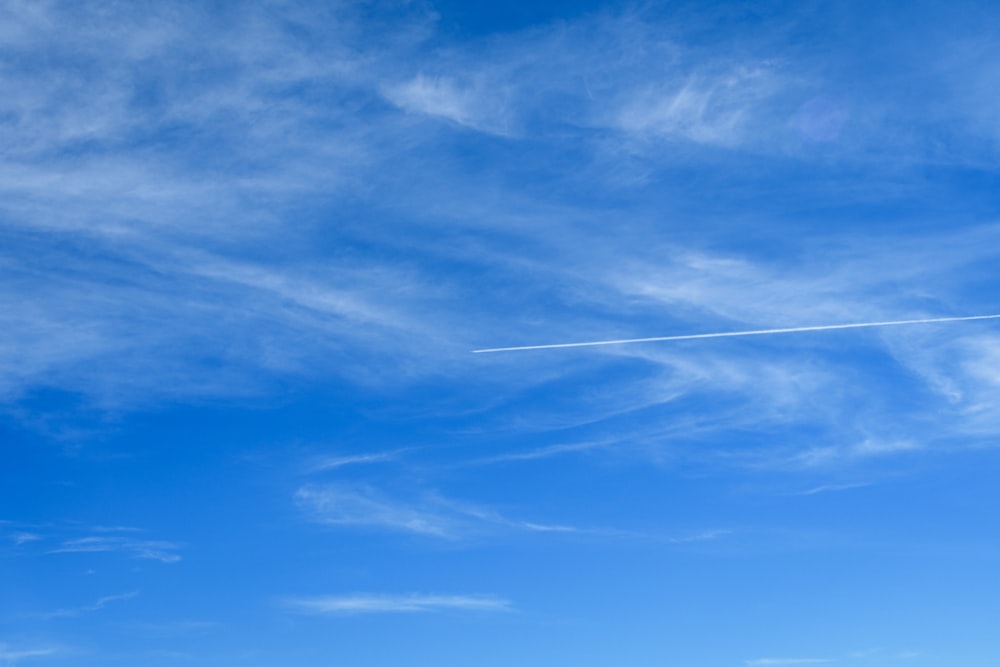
{"x":247,"y":249}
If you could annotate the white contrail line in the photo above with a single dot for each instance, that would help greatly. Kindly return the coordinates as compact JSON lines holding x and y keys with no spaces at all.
{"x":759,"y":332}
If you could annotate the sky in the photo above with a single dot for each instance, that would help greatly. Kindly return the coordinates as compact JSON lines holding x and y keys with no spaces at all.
{"x":248,"y":250}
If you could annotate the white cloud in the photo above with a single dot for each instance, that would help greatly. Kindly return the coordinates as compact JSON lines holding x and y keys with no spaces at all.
{"x":101,"y":603}
{"x":831,"y":488}
{"x":718,"y":109}
{"x":362,"y":506}
{"x":804,"y":379}
{"x":158,"y":550}
{"x":703,"y":536}
{"x":979,"y":379}
{"x":834,"y":455}
{"x":766,"y":662}
{"x":188,"y":244}
{"x":607,"y":72}
{"x":545,"y":452}
{"x":67,"y":537}
{"x":476,"y":104}
{"x":178,"y":628}
{"x":380,"y":604}
{"x":430,"y":514}
{"x":322,"y":463}
{"x":12,"y":656}
{"x":958,"y":369}
{"x":87,"y":168}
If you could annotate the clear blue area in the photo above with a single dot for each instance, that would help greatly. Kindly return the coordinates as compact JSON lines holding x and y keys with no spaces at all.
{"x":247,"y":250}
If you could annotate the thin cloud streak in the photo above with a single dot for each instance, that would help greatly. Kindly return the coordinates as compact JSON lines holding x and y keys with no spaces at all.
{"x":334,"y":462}
{"x":381,"y":604}
{"x":868,"y":448}
{"x":829,"y":488}
{"x":97,"y":606}
{"x":775,"y":662}
{"x":429,"y":516}
{"x":433,"y":516}
{"x":11,"y":657}
{"x":144,"y":549}
{"x":346,"y":505}
{"x":703,"y":536}
{"x":728,"y":334}
{"x":542,"y":452}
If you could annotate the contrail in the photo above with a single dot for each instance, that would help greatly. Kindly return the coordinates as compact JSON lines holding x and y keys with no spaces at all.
{"x":726,"y":334}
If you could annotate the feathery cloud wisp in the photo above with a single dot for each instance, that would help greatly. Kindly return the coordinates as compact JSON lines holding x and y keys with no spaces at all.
{"x":779,"y":662}
{"x":432,"y":515}
{"x":13,"y":656}
{"x":101,"y":603}
{"x":159,"y":550}
{"x":351,"y":505}
{"x":322,"y":463}
{"x":476,"y":105}
{"x":375,"y":604}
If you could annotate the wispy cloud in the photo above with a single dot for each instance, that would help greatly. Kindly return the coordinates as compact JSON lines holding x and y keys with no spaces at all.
{"x":88,"y":169}
{"x":543,"y":452}
{"x":831,"y":488}
{"x":882,"y":654}
{"x":101,"y":603}
{"x":11,"y":656}
{"x":866,"y":655}
{"x":718,"y":108}
{"x":165,"y":552}
{"x":381,"y":604}
{"x":765,"y":662}
{"x":833,"y":455}
{"x":788,"y":386}
{"x":430,"y":514}
{"x":321,"y":463}
{"x":282,"y":196}
{"x":168,"y":284}
{"x":346,"y":505}
{"x":702,"y":536}
{"x":476,"y":104}
{"x":24,"y":538}
{"x":65,"y":537}
{"x":180,"y":628}
{"x":77,"y":315}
